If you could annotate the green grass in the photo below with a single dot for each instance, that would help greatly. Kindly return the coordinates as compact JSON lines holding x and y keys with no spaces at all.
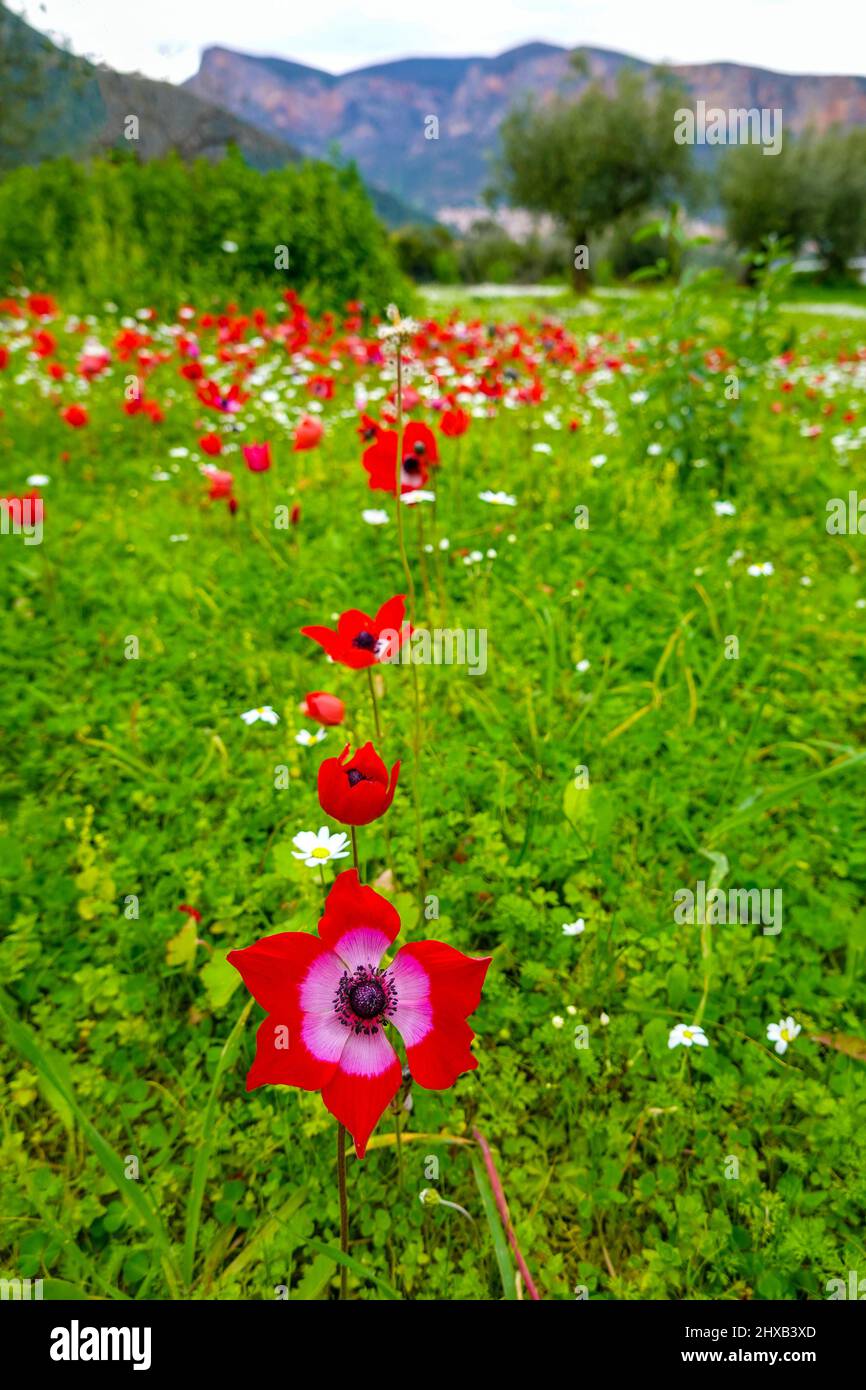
{"x":128,"y":1037}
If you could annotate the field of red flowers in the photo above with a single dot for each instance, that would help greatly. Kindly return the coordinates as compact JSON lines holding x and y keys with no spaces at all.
{"x":495,"y":636}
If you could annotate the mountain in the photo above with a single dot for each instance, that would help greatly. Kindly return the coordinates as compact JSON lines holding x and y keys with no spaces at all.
{"x":82,"y":109}
{"x":87,"y":106}
{"x":379,"y":115}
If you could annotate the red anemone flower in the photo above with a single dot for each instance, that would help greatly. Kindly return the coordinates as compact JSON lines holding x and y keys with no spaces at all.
{"x":330,"y":1001}
{"x":419,"y":452}
{"x":211,"y":444}
{"x":360,"y":640}
{"x":454,"y":422}
{"x":308,"y":432}
{"x":75,"y":415}
{"x":257,"y":457}
{"x":358,"y":791}
{"x":327,"y":709}
{"x":221,"y":482}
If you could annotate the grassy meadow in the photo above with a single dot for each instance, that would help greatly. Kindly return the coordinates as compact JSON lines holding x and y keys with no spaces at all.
{"x":673,"y":693}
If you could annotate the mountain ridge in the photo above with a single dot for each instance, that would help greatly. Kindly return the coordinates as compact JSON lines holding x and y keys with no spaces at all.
{"x":378,"y":114}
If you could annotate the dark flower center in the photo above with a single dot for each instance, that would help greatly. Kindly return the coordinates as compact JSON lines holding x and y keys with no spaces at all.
{"x":355,"y":777}
{"x":367,"y":999}
{"x":365,"y":640}
{"x":411,"y":465}
{"x":419,"y":447}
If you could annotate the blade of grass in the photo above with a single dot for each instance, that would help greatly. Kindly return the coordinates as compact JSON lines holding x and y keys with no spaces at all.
{"x":52,"y":1069}
{"x":497,"y":1235}
{"x":205,"y":1149}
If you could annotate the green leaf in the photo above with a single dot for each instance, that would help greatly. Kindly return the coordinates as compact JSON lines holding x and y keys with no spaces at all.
{"x":497,"y":1234}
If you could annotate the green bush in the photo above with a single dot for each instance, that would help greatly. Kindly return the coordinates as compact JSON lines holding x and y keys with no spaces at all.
{"x":116,"y":229}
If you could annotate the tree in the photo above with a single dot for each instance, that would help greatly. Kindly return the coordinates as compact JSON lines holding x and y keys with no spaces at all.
{"x":588,"y":162}
{"x":763,"y":196}
{"x":813,"y":190}
{"x":834,"y":182}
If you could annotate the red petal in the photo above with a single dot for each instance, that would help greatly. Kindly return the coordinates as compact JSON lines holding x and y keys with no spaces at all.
{"x":455,"y":992}
{"x":390,"y":615}
{"x":349,"y":905}
{"x":294,"y":1065}
{"x":365,"y":1082}
{"x":273,"y":968}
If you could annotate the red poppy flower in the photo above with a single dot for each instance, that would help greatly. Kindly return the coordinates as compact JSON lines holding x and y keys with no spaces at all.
{"x":369,"y":429}
{"x":221,"y":482}
{"x":419,"y":452}
{"x":321,"y":386}
{"x":308,"y":432}
{"x":454,"y":422}
{"x":360,"y":640}
{"x":330,"y":1000}
{"x":257,"y":457}
{"x":42,"y":305}
{"x":359,"y":791}
{"x":211,"y":444}
{"x":75,"y":415}
{"x":327,"y":709}
{"x":44,"y":344}
{"x":211,"y":395}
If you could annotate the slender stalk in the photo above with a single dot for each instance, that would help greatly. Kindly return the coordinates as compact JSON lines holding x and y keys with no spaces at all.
{"x":355,"y":847}
{"x":398,"y":485}
{"x":416,"y":739}
{"x":422,"y":562}
{"x":344,"y":1204}
{"x":399,"y":1141}
{"x":375,"y":703}
{"x":324,"y":885}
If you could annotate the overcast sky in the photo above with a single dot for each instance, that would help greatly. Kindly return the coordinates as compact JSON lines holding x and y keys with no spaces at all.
{"x":163,"y":38}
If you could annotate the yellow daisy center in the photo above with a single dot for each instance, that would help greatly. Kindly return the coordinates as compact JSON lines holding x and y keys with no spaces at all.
{"x":319,"y":853}
{"x":786,"y":1035}
{"x":687,"y":1033}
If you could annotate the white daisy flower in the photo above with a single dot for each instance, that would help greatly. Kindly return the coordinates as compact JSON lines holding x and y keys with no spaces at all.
{"x":542,"y":449}
{"x":307,"y":740}
{"x":654,"y":450}
{"x":724,"y":509}
{"x":263,"y":713}
{"x":315,"y":848}
{"x":375,"y":516}
{"x":573,"y":928}
{"x":397,"y":328}
{"x":805,"y":581}
{"x":179,"y":537}
{"x":499,"y":499}
{"x":782,"y":1033}
{"x":764,"y":568}
{"x":418,"y":494}
{"x":230,"y":247}
{"x":598,"y":460}
{"x":557,"y":1021}
{"x":686,"y":1035}
{"x":38,"y":480}
{"x":582,"y":666}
